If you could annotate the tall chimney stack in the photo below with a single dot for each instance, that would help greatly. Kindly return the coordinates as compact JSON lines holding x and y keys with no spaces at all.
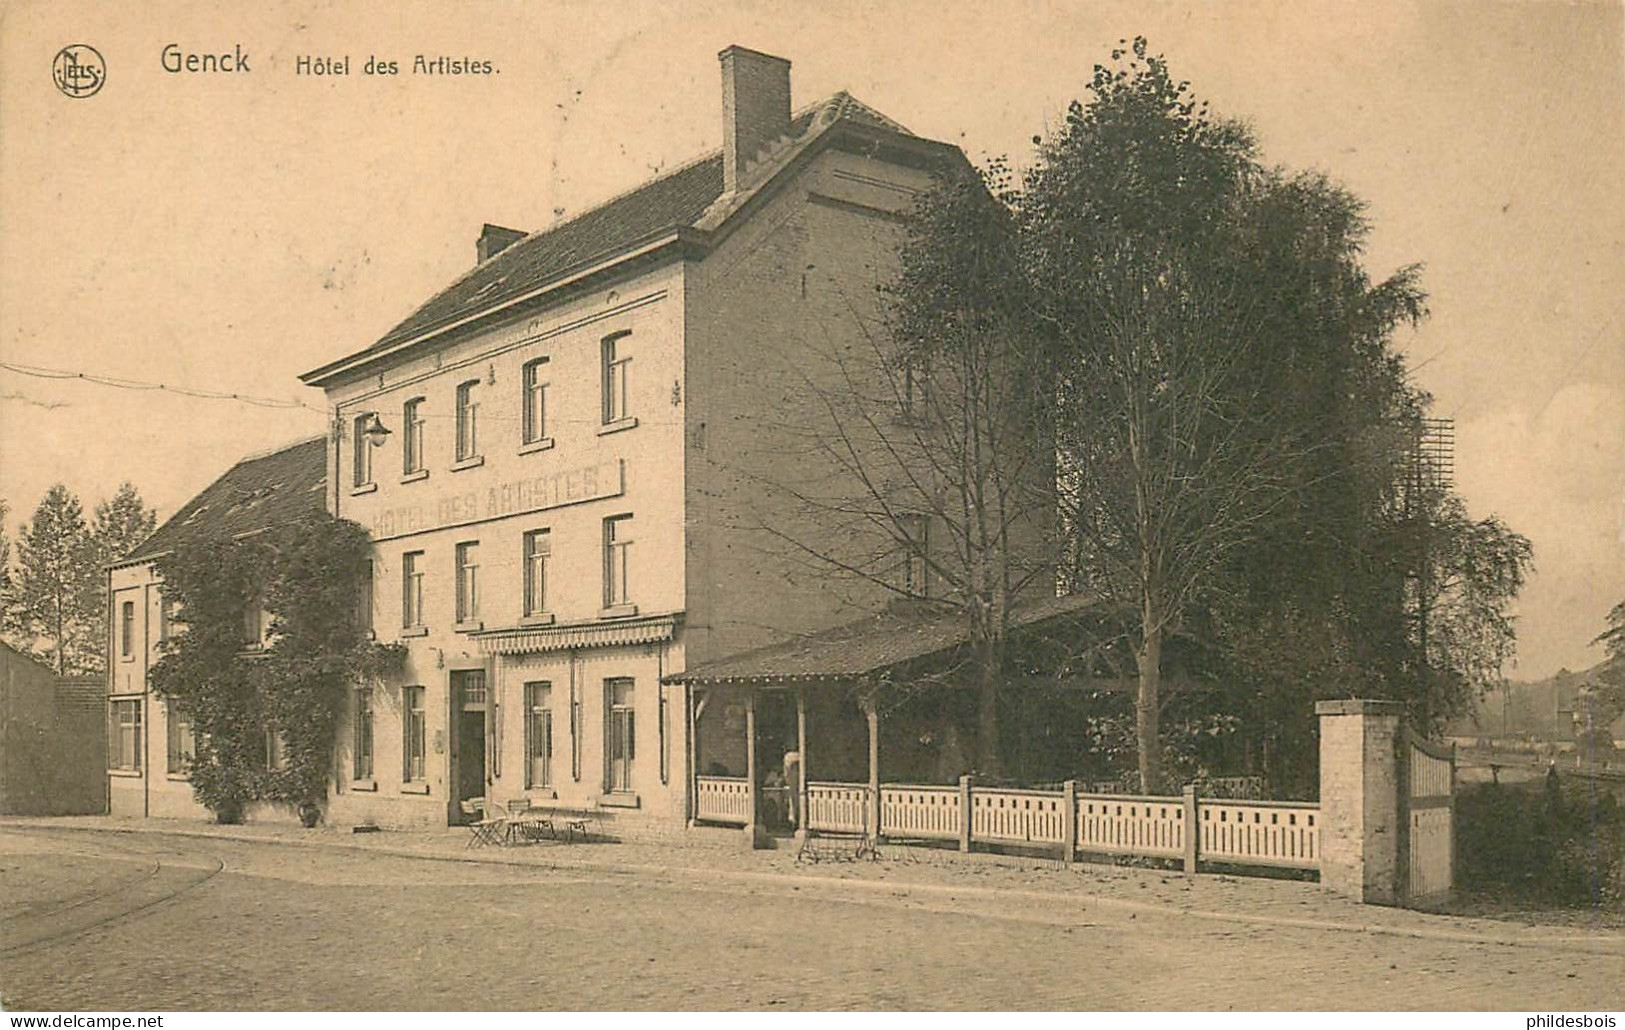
{"x":755,"y":108}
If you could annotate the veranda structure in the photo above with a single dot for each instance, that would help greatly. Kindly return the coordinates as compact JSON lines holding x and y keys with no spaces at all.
{"x":823,"y":696}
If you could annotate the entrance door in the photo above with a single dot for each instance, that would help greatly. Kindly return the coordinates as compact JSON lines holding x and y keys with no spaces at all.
{"x":469,"y":694}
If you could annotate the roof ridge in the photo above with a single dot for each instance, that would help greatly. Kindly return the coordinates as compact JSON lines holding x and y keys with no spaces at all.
{"x":273,"y":451}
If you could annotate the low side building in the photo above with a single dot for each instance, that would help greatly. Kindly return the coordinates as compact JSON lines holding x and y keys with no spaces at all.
{"x":52,"y":740}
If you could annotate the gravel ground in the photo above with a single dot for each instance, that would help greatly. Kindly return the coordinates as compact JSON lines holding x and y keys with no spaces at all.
{"x":111,"y":920}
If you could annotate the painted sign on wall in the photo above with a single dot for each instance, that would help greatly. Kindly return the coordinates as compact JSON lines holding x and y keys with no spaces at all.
{"x":498,"y":500}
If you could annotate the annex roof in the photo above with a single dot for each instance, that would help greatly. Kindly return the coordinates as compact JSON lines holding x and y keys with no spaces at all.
{"x":867,"y":646}
{"x":677,"y":200}
{"x":254,"y":494}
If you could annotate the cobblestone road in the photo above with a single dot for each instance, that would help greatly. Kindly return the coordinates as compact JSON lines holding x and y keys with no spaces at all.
{"x":141,"y":921}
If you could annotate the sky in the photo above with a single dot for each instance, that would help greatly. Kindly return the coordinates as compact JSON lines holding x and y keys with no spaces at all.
{"x":225,"y":232}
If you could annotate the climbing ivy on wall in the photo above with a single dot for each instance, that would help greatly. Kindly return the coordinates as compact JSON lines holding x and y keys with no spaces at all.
{"x":291,"y":684}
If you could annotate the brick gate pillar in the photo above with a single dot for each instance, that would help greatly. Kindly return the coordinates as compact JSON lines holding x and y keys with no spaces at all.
{"x":1359,"y":799}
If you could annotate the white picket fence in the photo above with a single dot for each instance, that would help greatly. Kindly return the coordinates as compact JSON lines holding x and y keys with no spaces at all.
{"x":1277,"y":834}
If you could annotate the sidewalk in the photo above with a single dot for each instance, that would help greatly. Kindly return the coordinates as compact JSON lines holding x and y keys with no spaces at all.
{"x":720,"y":856}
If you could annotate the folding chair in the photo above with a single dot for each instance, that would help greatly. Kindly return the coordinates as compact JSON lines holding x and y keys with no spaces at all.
{"x":484,"y":828}
{"x":523,"y":825}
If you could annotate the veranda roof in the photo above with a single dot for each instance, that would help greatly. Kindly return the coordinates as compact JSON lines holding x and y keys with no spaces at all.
{"x":865,"y":647}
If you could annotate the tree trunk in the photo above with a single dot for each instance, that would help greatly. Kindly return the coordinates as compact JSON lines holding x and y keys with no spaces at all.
{"x":1147,"y":708}
{"x":987,"y":712}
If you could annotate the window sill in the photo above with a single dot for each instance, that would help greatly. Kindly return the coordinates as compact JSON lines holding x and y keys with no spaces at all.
{"x":618,"y":611}
{"x":539,"y":619}
{"x":541,"y":795}
{"x":544,"y":444}
{"x":415,"y":475}
{"x":617,"y":426}
{"x":128,"y":774}
{"x":414,"y":788}
{"x":468,"y":626}
{"x":126,"y":658}
{"x":364,"y":488}
{"x":176,"y":777}
{"x":619,"y":800}
{"x":364,"y":786}
{"x":415,"y":631}
{"x":252,"y":651}
{"x":468,"y":463}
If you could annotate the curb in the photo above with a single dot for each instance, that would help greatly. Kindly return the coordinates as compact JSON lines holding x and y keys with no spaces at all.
{"x":1593,"y":943}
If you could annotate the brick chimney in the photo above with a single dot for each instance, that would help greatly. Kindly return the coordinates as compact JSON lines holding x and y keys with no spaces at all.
{"x":755,"y":108}
{"x":494,"y":239}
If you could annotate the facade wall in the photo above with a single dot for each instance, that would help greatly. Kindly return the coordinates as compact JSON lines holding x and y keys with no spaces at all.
{"x":586,"y":472}
{"x":783,"y":323}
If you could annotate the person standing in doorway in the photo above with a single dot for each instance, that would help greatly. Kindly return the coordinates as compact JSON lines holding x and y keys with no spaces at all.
{"x":792,"y":785}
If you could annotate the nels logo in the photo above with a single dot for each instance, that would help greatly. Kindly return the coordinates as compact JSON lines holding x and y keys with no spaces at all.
{"x":79,"y":70}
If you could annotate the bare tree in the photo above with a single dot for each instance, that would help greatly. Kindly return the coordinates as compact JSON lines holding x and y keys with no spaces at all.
{"x":923,"y":464}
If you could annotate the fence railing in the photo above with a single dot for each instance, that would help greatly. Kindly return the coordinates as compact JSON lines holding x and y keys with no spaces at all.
{"x":722,"y":799}
{"x":1152,"y":827}
{"x":837,"y":807}
{"x":1196,"y":829}
{"x":909,"y":812}
{"x":1016,"y":816}
{"x":1272,"y":833}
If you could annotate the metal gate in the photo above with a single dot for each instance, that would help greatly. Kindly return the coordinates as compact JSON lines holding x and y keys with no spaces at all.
{"x":1429,"y":792}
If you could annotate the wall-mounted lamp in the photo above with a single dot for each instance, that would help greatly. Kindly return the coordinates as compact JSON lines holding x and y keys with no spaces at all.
{"x":376,"y":431}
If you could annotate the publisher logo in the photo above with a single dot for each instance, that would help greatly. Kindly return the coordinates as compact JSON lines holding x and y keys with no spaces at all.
{"x":79,"y":70}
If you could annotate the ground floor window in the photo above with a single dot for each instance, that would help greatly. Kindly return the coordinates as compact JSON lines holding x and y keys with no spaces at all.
{"x":124,"y":734}
{"x":414,"y":726}
{"x":361,"y":744}
{"x":622,"y":744}
{"x":538,"y":735}
{"x":182,"y":745}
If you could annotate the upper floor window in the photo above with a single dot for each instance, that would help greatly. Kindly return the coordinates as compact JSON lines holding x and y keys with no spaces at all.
{"x":916,"y":547}
{"x":616,"y":367}
{"x":163,"y":618}
{"x":915,"y":382}
{"x":412,"y":590}
{"x":468,"y":581}
{"x":126,"y":629}
{"x":365,"y":605}
{"x":535,"y":400}
{"x":538,"y":550}
{"x":617,"y":561}
{"x":412,"y":436}
{"x":468,"y":420}
{"x":362,"y":449}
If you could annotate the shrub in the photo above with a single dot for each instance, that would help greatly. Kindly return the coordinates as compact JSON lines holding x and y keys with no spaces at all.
{"x":1555,"y":843}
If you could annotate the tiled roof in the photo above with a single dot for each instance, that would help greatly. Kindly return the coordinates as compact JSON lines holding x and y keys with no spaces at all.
{"x":254,"y":494}
{"x":675,"y":200}
{"x":867,"y":646}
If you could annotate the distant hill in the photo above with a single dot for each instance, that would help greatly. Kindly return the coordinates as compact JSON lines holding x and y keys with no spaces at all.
{"x":1543,"y":709}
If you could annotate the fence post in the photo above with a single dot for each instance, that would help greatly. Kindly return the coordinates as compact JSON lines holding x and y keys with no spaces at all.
{"x":964,"y":813}
{"x":1069,"y":821}
{"x":1193,"y":829}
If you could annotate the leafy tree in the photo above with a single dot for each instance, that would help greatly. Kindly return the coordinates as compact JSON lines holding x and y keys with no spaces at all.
{"x":120,"y":525}
{"x":1235,"y":427}
{"x":7,"y":580}
{"x":307,"y":575}
{"x":1135,"y":219}
{"x":56,"y":604}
